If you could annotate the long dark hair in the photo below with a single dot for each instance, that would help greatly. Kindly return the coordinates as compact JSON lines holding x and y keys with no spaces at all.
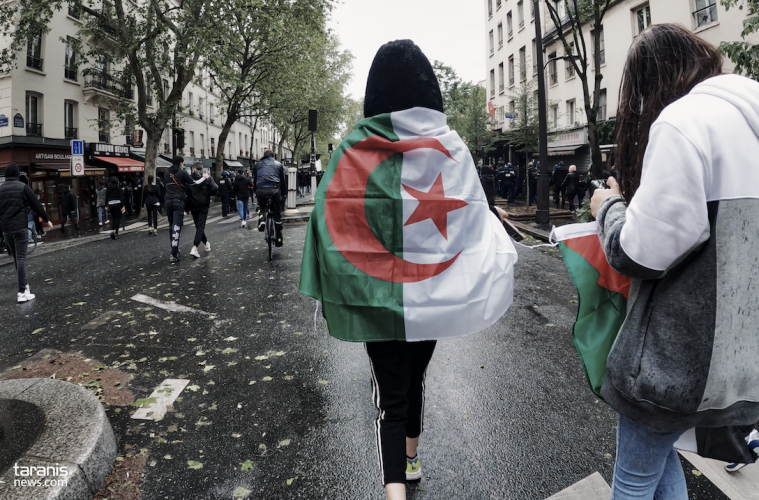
{"x":664,"y":63}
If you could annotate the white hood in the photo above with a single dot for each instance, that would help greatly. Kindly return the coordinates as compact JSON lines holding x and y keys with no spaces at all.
{"x":741,"y":92}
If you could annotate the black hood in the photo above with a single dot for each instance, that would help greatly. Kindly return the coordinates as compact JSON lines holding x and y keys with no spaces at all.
{"x":401,"y":77}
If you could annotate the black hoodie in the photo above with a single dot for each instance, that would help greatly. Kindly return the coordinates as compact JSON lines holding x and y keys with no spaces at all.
{"x":177,"y":183}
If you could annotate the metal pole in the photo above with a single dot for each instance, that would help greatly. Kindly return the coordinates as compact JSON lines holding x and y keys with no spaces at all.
{"x":542,"y":216}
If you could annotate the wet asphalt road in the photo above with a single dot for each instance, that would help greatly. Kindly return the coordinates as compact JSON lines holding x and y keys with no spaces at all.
{"x":509,"y":413}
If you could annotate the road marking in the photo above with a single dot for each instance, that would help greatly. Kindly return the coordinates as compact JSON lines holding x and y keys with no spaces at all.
{"x":169,"y":306}
{"x":213,"y":220}
{"x":136,"y":225}
{"x":101,"y":320}
{"x":743,"y":485}
{"x":230,"y":220}
{"x":164,"y":395}
{"x":593,"y":487}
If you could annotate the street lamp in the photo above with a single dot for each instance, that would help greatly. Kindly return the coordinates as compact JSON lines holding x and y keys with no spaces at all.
{"x":542,"y":215}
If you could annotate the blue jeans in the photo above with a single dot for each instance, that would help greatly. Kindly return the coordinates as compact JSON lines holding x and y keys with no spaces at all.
{"x":102,"y":214}
{"x":647,"y":465}
{"x":242,"y":209}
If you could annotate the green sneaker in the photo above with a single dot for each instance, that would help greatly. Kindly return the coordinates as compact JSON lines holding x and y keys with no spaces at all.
{"x":413,"y":469}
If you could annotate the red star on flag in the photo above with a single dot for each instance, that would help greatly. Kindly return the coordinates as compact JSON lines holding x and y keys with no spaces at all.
{"x":433,"y":205}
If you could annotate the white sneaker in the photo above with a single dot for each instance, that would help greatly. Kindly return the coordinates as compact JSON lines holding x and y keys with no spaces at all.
{"x":243,"y":224}
{"x":194,"y":252}
{"x":208,"y":246}
{"x":100,"y":223}
{"x":24,"y":297}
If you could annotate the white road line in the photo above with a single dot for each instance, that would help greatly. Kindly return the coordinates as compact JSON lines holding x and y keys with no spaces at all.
{"x":593,"y":487}
{"x":169,"y":306}
{"x":136,"y":225}
{"x":213,"y":220}
{"x":164,"y":395}
{"x":230,"y":220}
{"x":743,"y":485}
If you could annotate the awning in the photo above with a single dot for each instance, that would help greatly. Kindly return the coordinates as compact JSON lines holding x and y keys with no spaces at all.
{"x":87,"y":171}
{"x":139,"y":154}
{"x":52,"y":166}
{"x":124,"y":164}
{"x":233,"y":164}
{"x":563,"y":151}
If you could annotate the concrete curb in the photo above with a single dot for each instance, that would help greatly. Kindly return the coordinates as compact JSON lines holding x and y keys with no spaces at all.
{"x":77,"y":435}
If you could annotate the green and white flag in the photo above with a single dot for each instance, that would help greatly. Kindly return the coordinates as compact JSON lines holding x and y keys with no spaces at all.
{"x":401,"y":243}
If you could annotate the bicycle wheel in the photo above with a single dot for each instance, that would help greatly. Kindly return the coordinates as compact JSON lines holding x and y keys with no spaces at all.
{"x":270,"y":232}
{"x":33,"y":239}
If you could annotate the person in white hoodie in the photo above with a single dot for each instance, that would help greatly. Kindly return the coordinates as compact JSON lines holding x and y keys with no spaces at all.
{"x":683,"y":222}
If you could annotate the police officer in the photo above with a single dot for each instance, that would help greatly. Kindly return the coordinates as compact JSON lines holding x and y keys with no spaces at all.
{"x":225,"y":186}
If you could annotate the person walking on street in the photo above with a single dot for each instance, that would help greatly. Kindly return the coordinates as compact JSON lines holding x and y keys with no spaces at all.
{"x":569,"y":186}
{"x":752,"y":439}
{"x":102,"y":213}
{"x":270,"y":183}
{"x":225,"y":186}
{"x":242,"y":186}
{"x":69,"y":209}
{"x":582,"y":189}
{"x":151,"y":202}
{"x":177,"y":182}
{"x":127,"y":198}
{"x":37,"y":220}
{"x":114,"y":199}
{"x":532,"y":177}
{"x":161,"y":194}
{"x":202,"y":190}
{"x":487,"y":180}
{"x":680,"y":220}
{"x":16,"y":200}
{"x":558,"y":175}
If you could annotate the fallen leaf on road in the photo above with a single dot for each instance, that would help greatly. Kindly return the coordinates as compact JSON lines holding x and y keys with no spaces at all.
{"x":290,"y":481}
{"x":193,"y":388}
{"x":262,"y":448}
{"x":79,"y":304}
{"x":230,"y":339}
{"x":208,"y":368}
{"x":261,"y":358}
{"x":38,"y":330}
{"x":240,"y":492}
{"x":229,"y":350}
{"x":231,"y":363}
{"x":297,"y":333}
{"x":284,"y":442}
{"x":192,"y":340}
{"x":235,"y":435}
{"x":252,"y":382}
{"x":323,"y":382}
{"x":266,"y":379}
{"x":168,"y":457}
{"x":246,"y":465}
{"x":288,"y":377}
{"x":192,"y":464}
{"x":279,"y":353}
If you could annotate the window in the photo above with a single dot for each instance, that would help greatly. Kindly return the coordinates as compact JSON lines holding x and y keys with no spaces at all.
{"x":499,"y":114}
{"x":202,"y":145}
{"x":510,"y":24}
{"x":492,"y":83}
{"x":532,"y":11}
{"x":245,"y":144}
{"x":490,"y":42}
{"x":129,"y":129}
{"x":69,"y":71}
{"x":569,"y":65}
{"x":103,"y":121}
{"x":229,"y":149}
{"x":561,"y":9}
{"x":520,"y":13}
{"x":490,"y":8}
{"x":201,"y":108}
{"x":705,"y":13}
{"x":69,"y":120}
{"x":601,"y":106}
{"x":602,"y":44}
{"x":553,"y":72}
{"x":166,"y":147}
{"x":571,"y":113}
{"x":211,"y":115}
{"x":213,"y":147}
{"x":500,"y":35}
{"x":190,"y":102}
{"x":500,"y":78}
{"x":75,"y":9}
{"x":165,"y":89}
{"x":34,"y":51}
{"x":555,"y":116}
{"x":497,"y":4}
{"x":33,"y":115}
{"x":511,"y":110}
{"x":511,"y":71}
{"x":534,"y":57}
{"x":523,"y":64}
{"x":643,"y":18}
{"x":192,"y":142}
{"x":239,"y":141}
{"x":149,"y":90}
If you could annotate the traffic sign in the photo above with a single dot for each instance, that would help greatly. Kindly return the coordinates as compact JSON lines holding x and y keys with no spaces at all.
{"x":77,"y":147}
{"x":77,"y":165}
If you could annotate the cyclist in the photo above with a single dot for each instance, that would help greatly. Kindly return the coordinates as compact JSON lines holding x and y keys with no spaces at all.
{"x":16,"y":199}
{"x":270,"y":183}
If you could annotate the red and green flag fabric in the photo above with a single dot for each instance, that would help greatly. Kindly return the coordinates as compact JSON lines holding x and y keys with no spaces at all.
{"x":401,"y":244}
{"x":602,"y":297}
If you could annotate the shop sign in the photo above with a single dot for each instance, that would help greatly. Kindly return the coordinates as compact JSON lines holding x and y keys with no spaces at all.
{"x":3,"y":121}
{"x":18,"y":121}
{"x":100,"y":149}
{"x":62,"y":157}
{"x":577,"y":137}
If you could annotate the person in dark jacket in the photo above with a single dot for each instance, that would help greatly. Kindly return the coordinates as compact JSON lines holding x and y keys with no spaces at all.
{"x":177,"y":182}
{"x":102,"y":213}
{"x":557,"y":179}
{"x":151,"y":201}
{"x":271,"y":183}
{"x":569,"y":186}
{"x":242,"y":186}
{"x":203,"y":189}
{"x":162,"y":192}
{"x":127,"y":197}
{"x":225,"y":187}
{"x":114,"y":201}
{"x":532,"y":178}
{"x":487,"y":180}
{"x":582,"y":188}
{"x":68,"y":209}
{"x":16,"y":199}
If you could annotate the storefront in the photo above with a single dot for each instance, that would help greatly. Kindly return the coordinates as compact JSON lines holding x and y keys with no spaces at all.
{"x":570,"y":146}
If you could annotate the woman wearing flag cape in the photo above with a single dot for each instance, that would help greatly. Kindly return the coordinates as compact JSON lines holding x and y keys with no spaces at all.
{"x":683,"y":222}
{"x":402,"y":249}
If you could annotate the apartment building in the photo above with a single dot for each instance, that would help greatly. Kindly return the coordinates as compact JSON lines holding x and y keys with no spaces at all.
{"x":49,"y":99}
{"x":567,"y":123}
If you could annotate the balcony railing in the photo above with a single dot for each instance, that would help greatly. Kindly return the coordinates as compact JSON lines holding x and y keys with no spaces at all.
{"x":129,"y":139}
{"x":554,"y":78}
{"x":33,"y":62}
{"x":70,"y":73}
{"x":102,"y":80}
{"x":511,"y":32}
{"x":34,"y":129}
{"x":166,"y":148}
{"x":200,"y":115}
{"x":511,"y":81}
{"x":192,"y":113}
{"x":492,"y":92}
{"x":70,"y":133}
{"x":192,"y":151}
{"x":202,"y":153}
{"x":501,"y":87}
{"x":570,"y":71}
{"x":213,"y":152}
{"x":104,"y":137}
{"x":705,"y":16}
{"x":212,"y":121}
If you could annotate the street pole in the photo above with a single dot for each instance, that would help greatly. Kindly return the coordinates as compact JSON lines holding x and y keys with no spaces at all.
{"x":542,"y":216}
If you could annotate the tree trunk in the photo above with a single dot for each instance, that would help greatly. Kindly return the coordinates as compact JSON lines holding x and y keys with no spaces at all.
{"x":595,"y":150}
{"x":151,"y":154}
{"x":222,"y":144}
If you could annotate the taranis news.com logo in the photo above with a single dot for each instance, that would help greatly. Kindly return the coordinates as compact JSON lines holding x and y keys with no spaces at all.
{"x":31,"y":475}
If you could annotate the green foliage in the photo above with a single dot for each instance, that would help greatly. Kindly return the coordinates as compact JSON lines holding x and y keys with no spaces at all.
{"x":744,"y":55}
{"x":605,"y":131}
{"x":524,"y":132}
{"x":583,"y":213}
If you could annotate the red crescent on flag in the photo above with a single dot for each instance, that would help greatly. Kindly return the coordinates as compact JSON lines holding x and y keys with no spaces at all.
{"x":345,"y":212}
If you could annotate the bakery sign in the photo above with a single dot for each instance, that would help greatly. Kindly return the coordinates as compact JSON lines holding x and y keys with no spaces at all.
{"x":59,"y":157}
{"x":110,"y":150}
{"x":576,"y":137}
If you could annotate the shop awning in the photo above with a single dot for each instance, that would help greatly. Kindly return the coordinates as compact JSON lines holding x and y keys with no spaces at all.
{"x":563,"y":151}
{"x":124,"y":164}
{"x":52,"y":166}
{"x":233,"y":164}
{"x":139,"y":154}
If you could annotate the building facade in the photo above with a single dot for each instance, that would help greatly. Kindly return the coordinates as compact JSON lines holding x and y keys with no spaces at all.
{"x":49,"y":99}
{"x":625,"y":19}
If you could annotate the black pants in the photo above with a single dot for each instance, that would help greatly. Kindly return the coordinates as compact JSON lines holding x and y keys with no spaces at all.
{"x":571,"y":197}
{"x":152,"y":216}
{"x":115,"y":211}
{"x":18,"y":244}
{"x":199,"y":217}
{"x":533,"y":196}
{"x":175,"y":214}
{"x":72,"y":217}
{"x":398,"y":372}
{"x":276,"y":206}
{"x":224,"y":203}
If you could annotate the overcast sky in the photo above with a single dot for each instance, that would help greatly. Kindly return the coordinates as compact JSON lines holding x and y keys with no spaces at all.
{"x":451,"y":31}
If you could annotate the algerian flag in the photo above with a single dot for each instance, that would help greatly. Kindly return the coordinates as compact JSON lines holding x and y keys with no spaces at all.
{"x":602,"y":295}
{"x":401,"y":243}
